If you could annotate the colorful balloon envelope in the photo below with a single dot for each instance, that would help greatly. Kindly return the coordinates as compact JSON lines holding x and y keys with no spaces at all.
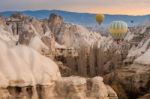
{"x":100,"y":18}
{"x":118,"y":29}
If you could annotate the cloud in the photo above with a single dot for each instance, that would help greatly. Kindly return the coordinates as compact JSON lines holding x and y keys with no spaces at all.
{"x":92,"y":6}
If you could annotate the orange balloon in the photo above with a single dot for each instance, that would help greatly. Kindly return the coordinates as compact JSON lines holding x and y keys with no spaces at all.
{"x":100,"y":18}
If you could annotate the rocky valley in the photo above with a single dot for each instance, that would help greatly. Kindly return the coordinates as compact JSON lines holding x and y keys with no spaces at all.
{"x":52,"y":59}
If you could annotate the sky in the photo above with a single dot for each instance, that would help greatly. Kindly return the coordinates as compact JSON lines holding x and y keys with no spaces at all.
{"x":126,"y":7}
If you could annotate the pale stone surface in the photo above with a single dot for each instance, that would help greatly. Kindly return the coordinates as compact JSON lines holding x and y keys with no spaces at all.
{"x":25,"y":74}
{"x":22,"y":66}
{"x":64,"y":88}
{"x":71,"y":35}
{"x":37,"y":44}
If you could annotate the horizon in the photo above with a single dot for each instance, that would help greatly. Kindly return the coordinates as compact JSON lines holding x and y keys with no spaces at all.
{"x":68,"y":11}
{"x":119,"y":7}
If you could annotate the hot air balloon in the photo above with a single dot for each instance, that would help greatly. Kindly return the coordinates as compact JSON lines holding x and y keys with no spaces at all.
{"x":100,"y":18}
{"x":132,"y":21}
{"x":118,"y":29}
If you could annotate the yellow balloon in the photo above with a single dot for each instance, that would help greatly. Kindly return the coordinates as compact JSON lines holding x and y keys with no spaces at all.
{"x":118,"y":29}
{"x":100,"y":18}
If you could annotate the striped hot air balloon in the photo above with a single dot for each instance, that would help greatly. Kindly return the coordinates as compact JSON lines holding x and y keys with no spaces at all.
{"x":118,"y":29}
{"x":100,"y":18}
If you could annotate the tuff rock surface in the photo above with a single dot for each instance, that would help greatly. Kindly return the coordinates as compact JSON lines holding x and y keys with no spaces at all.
{"x":25,"y":73}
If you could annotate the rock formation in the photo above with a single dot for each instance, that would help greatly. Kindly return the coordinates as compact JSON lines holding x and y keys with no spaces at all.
{"x":134,"y":76}
{"x":70,"y":35}
{"x":26,"y":34}
{"x":26,"y":74}
{"x":77,"y":51}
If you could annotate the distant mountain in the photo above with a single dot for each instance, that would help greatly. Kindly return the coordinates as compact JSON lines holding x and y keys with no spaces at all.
{"x":85,"y":19}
